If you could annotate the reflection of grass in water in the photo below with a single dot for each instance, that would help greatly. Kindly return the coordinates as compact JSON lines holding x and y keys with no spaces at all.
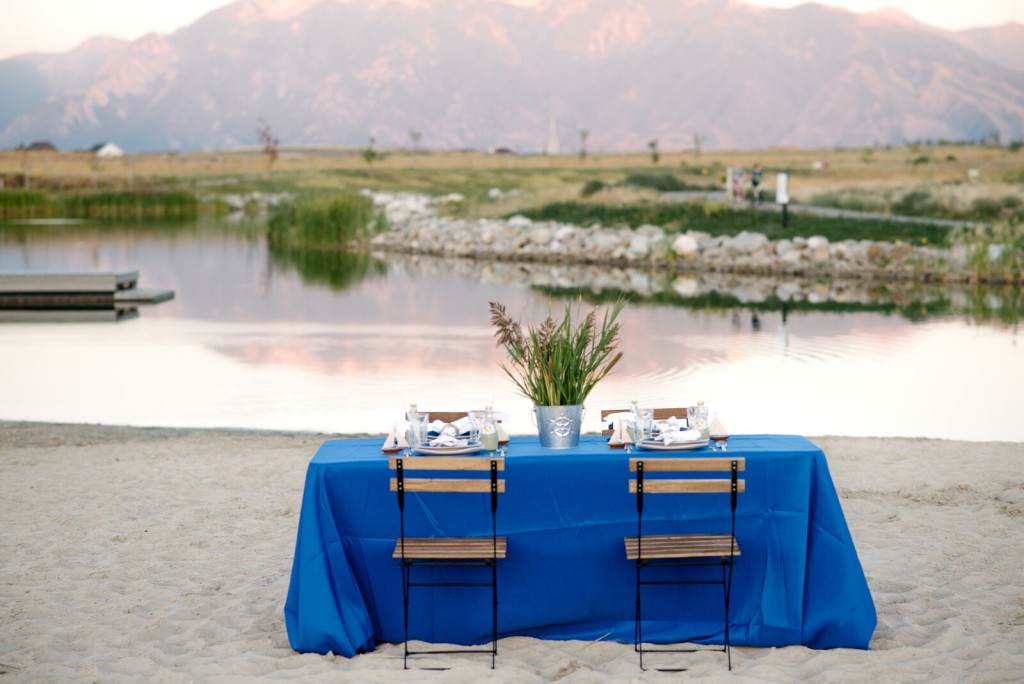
{"x":1003,"y":306}
{"x":335,"y":268}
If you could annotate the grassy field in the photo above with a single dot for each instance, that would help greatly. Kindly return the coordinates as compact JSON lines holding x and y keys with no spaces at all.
{"x":975,"y":182}
{"x":811,"y":171}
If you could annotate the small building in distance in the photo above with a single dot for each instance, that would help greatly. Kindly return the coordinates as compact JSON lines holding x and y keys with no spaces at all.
{"x":107,"y":150}
{"x":40,"y":146}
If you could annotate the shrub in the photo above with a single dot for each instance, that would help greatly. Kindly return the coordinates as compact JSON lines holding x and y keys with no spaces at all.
{"x":916,"y":203}
{"x":592,"y":187}
{"x":986,"y":209}
{"x":662,"y":182}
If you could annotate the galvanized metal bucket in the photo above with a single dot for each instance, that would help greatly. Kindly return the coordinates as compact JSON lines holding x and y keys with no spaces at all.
{"x":559,"y":426}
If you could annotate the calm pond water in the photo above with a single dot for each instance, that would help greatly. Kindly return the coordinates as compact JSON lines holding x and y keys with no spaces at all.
{"x":256,"y":339}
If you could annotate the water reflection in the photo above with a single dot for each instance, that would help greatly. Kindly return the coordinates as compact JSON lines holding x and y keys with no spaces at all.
{"x":112,"y":314}
{"x":1002,"y":306}
{"x":335,"y":268}
{"x":264,"y":340}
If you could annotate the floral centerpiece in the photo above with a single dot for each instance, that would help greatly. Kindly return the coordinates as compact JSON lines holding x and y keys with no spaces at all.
{"x":556,"y":364}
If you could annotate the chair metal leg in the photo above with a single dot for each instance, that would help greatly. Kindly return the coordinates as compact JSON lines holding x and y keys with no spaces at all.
{"x":494,"y":613}
{"x":638,"y":644}
{"x":405,"y":614}
{"x":727,"y":590}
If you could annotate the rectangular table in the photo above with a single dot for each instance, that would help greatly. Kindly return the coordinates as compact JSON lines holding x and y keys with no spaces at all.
{"x":565,"y":513}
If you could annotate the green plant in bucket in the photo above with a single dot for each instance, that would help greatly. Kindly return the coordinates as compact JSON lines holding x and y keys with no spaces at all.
{"x":558,"y":363}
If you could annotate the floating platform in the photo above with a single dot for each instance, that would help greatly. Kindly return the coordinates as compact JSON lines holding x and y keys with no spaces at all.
{"x":115,"y":294}
{"x":67,"y":315}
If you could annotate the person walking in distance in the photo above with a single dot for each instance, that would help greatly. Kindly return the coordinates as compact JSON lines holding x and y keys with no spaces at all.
{"x":756,"y":176}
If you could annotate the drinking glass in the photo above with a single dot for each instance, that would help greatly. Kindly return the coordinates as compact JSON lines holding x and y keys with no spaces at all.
{"x":418,"y":426}
{"x":646,"y":430}
{"x":697,"y":419}
{"x":475,"y":418}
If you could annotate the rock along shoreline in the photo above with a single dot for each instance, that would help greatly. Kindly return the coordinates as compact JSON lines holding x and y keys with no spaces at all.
{"x":417,"y":228}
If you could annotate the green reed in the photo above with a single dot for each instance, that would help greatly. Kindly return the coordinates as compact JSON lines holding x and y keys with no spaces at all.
{"x":718,"y":218}
{"x":103,"y":204}
{"x":334,"y":220}
{"x":994,"y":253}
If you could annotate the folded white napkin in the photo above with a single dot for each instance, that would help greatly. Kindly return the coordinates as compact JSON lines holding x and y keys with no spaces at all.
{"x":671,"y":424}
{"x":448,"y":440}
{"x":679,"y":436}
{"x":460,"y":426}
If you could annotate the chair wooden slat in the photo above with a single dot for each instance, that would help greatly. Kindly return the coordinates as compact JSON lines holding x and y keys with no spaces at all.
{"x":659,"y":414}
{"x":452,"y":416}
{"x":688,"y":486}
{"x":452,"y":548}
{"x":692,"y":465}
{"x":429,"y":484}
{"x":682,"y":546}
{"x":446,"y":463}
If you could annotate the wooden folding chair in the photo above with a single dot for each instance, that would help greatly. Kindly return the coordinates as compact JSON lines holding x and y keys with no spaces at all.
{"x":684,"y":550}
{"x":460,"y":475}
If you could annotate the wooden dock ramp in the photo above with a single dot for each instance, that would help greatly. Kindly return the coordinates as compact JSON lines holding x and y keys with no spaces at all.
{"x":42,"y":291}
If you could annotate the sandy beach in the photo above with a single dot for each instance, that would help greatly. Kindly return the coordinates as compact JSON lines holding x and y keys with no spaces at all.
{"x":131,"y":554}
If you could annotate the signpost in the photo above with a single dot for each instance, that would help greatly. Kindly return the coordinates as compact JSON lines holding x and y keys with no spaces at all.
{"x":782,"y":194}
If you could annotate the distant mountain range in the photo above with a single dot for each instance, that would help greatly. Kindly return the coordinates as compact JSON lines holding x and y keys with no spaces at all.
{"x":451,"y":74}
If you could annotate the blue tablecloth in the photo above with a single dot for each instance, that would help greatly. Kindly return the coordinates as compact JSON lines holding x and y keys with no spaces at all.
{"x":798,"y":581}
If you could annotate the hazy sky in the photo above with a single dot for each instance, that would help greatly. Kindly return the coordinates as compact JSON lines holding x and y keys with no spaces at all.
{"x":58,"y":25}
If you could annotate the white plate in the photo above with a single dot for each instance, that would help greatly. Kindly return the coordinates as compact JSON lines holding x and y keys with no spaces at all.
{"x":470,"y":448}
{"x":676,"y":446}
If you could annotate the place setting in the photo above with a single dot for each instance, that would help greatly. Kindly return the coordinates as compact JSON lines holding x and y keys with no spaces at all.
{"x":638,"y":428}
{"x":471,"y":433}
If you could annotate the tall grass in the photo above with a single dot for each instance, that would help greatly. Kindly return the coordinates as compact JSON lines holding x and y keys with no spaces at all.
{"x":921,"y":202}
{"x":718,"y":218}
{"x":335,"y":220}
{"x":994,"y":253}
{"x":105,"y":204}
